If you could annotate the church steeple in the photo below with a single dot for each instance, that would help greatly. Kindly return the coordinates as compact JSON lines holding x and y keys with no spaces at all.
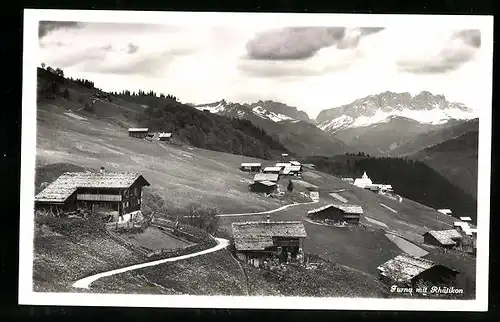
{"x":364,"y":175}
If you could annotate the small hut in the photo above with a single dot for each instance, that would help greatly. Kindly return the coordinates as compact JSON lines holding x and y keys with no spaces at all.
{"x":140,"y":133}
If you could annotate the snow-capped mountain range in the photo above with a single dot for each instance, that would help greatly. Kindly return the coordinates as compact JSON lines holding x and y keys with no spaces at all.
{"x":268,"y":110}
{"x":424,"y":108}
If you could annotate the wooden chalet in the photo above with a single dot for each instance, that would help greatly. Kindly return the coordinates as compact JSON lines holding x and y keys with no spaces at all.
{"x":273,"y":177}
{"x":293,"y":170}
{"x":164,"y":136}
{"x":443,"y":238}
{"x":251,"y":167}
{"x":405,"y":270}
{"x":337,"y":213}
{"x":116,"y":192}
{"x":275,"y":170}
{"x":258,"y":241}
{"x":263,"y":186}
{"x":348,"y":180}
{"x":140,"y":133}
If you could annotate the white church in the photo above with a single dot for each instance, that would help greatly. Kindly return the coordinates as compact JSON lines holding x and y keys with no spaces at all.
{"x":363,"y":181}
{"x":366,"y":183}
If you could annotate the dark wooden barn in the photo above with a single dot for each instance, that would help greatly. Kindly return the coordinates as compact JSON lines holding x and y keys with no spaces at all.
{"x":337,"y":213}
{"x":260,"y":241}
{"x":409,"y":271}
{"x":117,"y":192}
{"x":165,"y":137}
{"x":140,"y":133}
{"x":263,"y":186}
{"x":251,"y":167}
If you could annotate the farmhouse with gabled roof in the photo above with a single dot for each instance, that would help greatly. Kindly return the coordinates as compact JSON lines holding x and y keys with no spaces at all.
{"x":406,"y":270}
{"x":443,"y":238}
{"x":120,"y":192}
{"x":258,"y":241}
{"x":337,"y":213}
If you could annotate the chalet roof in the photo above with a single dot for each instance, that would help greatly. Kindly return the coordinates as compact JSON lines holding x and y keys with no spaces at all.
{"x":445,"y":237}
{"x":281,"y":165}
{"x":266,"y":177}
{"x":164,"y":135}
{"x":348,"y":209}
{"x":293,"y":168}
{"x":348,"y":179}
{"x":444,"y":211}
{"x":136,"y":129}
{"x":248,"y":164}
{"x":60,"y":189}
{"x":465,"y":218}
{"x":257,"y":235}
{"x":295,"y":163}
{"x":404,"y":268}
{"x":266,"y":169}
{"x":266,"y":183}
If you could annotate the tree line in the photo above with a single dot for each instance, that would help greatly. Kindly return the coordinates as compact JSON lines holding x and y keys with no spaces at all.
{"x":409,"y":178}
{"x":208,"y":131}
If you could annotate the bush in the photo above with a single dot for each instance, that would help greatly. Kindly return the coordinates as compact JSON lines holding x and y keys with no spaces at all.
{"x":153,"y":202}
{"x":66,"y":94}
{"x":203,"y":216}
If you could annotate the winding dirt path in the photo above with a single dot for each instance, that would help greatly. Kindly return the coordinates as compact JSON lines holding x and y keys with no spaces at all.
{"x":270,"y":211}
{"x":86,"y":281}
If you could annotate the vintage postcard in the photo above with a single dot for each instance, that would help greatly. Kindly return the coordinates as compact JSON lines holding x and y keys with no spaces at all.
{"x":256,"y":160}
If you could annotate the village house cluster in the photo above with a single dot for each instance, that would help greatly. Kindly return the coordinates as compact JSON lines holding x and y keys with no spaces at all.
{"x":266,"y":178}
{"x":144,"y":133}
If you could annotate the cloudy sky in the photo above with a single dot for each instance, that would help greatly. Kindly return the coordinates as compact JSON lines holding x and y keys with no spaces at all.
{"x":312,"y":68}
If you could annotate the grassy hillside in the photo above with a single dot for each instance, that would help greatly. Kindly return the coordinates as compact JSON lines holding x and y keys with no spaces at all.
{"x":411,"y":179}
{"x":188,"y":125}
{"x":68,"y":249}
{"x":455,"y":159}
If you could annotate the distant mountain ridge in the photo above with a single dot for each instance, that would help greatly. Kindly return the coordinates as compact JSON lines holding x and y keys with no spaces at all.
{"x":424,"y":108}
{"x":290,"y":126}
{"x":271,"y":110}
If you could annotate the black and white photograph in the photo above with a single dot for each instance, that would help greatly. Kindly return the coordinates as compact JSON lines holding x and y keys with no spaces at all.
{"x":255,"y":160}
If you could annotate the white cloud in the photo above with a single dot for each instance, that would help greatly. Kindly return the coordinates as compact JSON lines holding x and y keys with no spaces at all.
{"x":207,"y":64}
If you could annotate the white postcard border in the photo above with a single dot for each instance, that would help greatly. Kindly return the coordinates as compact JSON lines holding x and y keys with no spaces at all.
{"x":28,"y":157}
